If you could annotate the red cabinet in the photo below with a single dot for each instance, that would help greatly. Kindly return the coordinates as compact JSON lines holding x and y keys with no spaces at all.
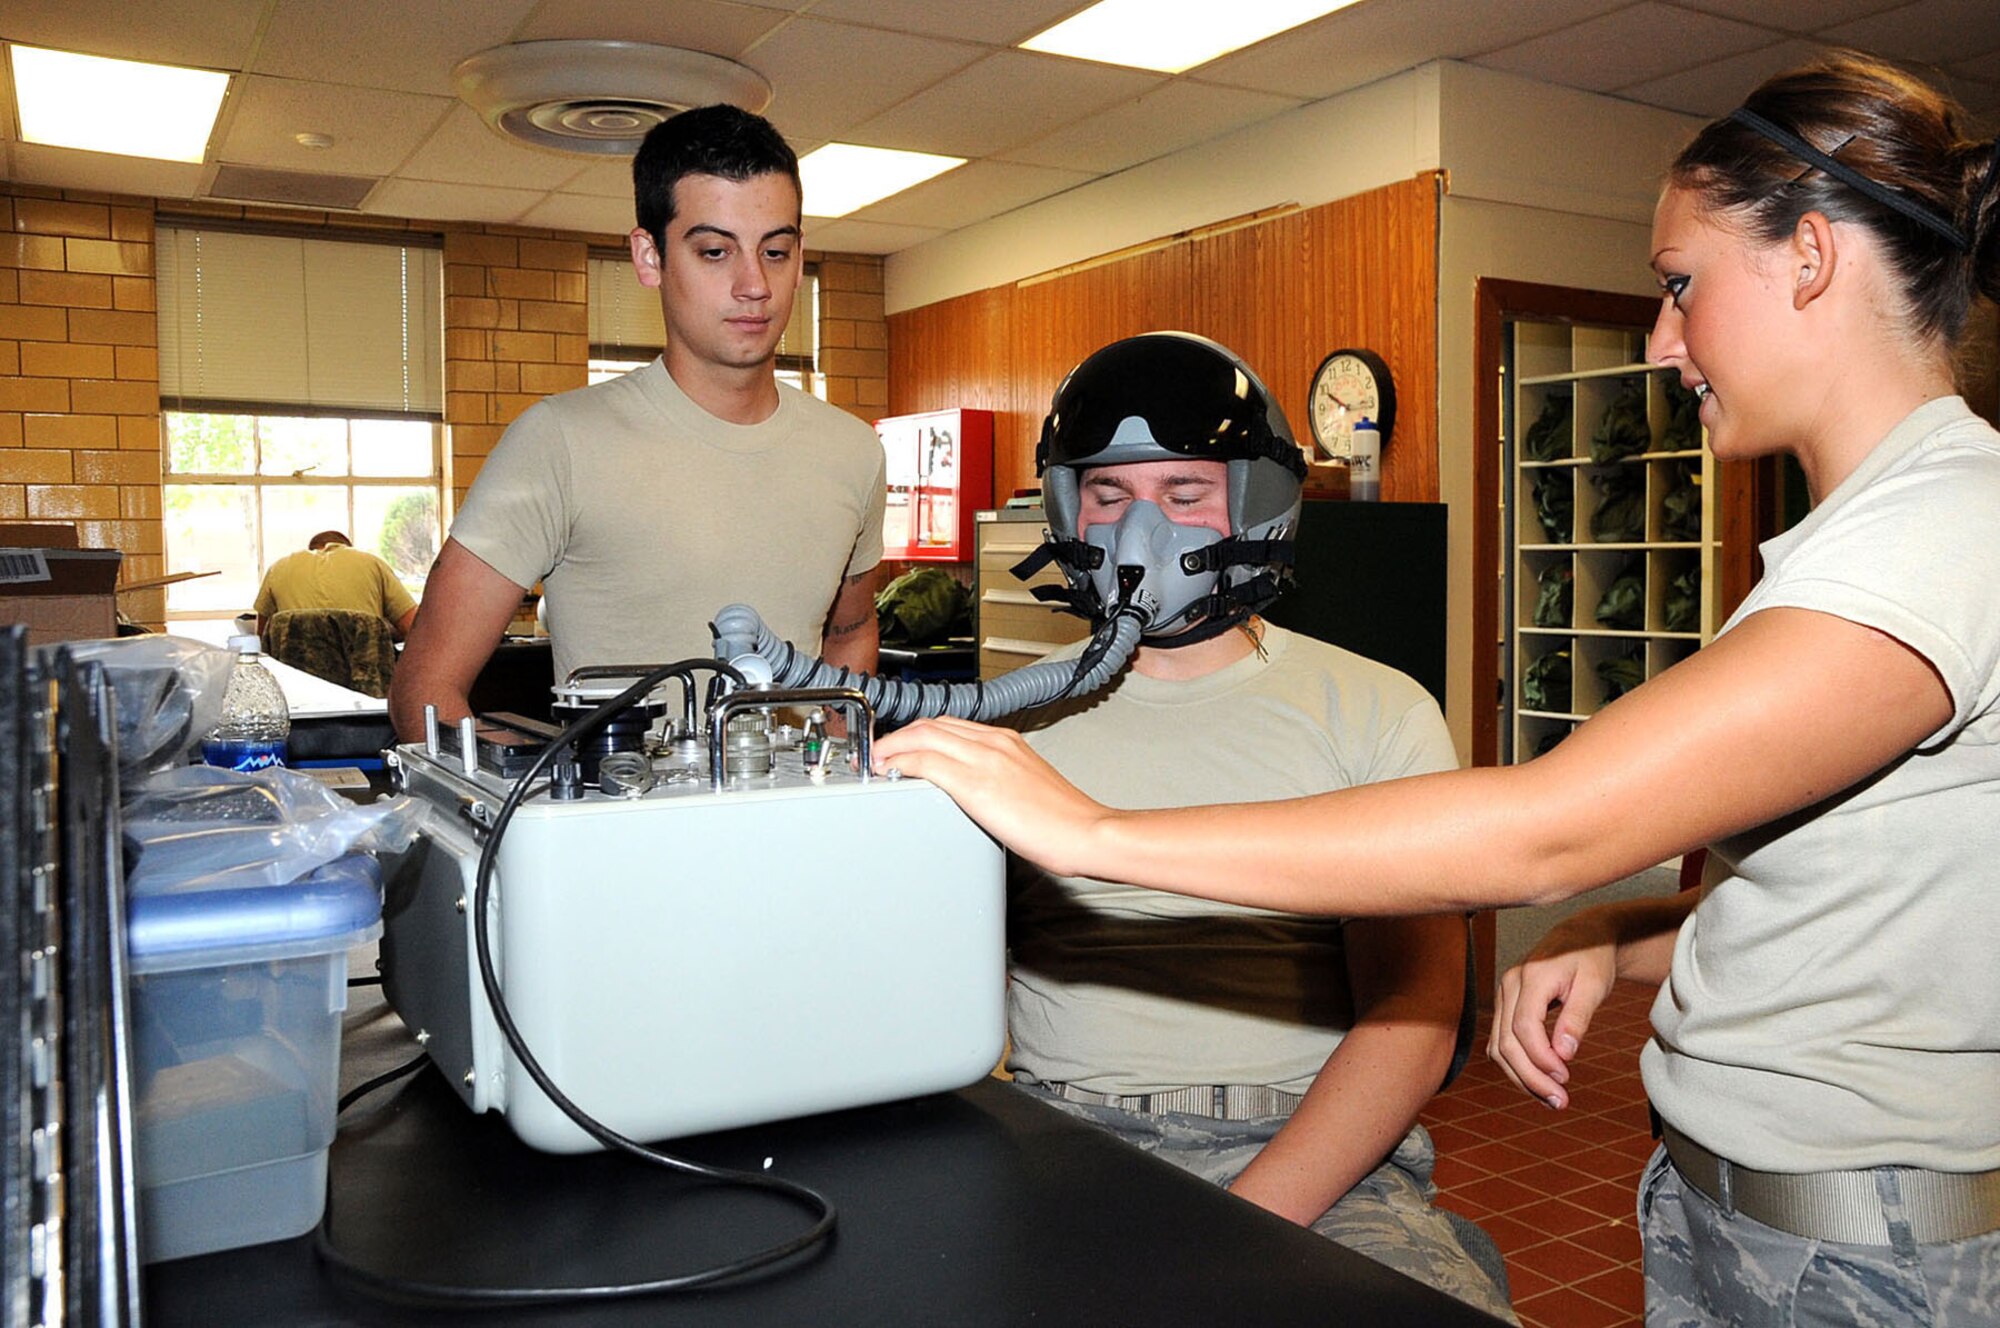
{"x":940,"y":467}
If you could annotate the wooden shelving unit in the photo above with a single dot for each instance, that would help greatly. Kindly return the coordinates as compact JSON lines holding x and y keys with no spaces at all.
{"x":1638,"y":542}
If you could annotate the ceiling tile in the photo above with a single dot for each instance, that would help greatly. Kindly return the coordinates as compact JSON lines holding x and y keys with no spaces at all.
{"x":373,"y":129}
{"x":696,"y":25}
{"x":1930,"y":30}
{"x":212,"y":34}
{"x":1040,"y":94}
{"x":464,"y":150}
{"x":1165,"y":120}
{"x":424,"y":200}
{"x":973,"y":192}
{"x":832,"y":76}
{"x":1360,"y":44}
{"x":105,"y":172}
{"x":577,"y":212}
{"x":1646,"y":41}
{"x":405,"y":45}
{"x":1719,"y":87}
{"x":1802,"y":17}
{"x":608,"y":177}
{"x":847,"y":236}
{"x":994,"y":24}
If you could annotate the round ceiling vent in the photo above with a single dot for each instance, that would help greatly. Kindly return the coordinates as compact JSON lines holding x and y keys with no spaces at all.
{"x":597,"y":96}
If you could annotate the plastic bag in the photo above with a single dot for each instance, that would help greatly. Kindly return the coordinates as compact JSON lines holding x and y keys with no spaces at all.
{"x":1547,"y":438}
{"x":1553,"y":603}
{"x":1620,"y":674}
{"x":169,"y":691}
{"x":1620,"y":517}
{"x":1623,"y":431}
{"x":205,"y":828}
{"x":1622,"y":607}
{"x":1555,"y":504}
{"x":1682,"y":609}
{"x":921,"y":606}
{"x":1683,"y":429}
{"x":1545,"y":683}
{"x":1680,"y":506}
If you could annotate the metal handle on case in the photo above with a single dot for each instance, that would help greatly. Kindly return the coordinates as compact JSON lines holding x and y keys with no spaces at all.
{"x":860,"y":720}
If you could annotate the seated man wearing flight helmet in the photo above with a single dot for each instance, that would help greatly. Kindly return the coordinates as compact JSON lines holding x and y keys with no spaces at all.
{"x":1283,"y":1057}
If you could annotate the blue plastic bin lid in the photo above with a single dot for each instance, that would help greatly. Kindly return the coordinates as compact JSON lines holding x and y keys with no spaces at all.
{"x":328,"y":909}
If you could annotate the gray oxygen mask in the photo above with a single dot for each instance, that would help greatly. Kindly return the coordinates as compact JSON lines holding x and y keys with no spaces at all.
{"x":1150,"y":556}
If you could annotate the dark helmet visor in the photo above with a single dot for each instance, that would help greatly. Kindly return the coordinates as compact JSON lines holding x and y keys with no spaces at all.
{"x":1194,"y":402}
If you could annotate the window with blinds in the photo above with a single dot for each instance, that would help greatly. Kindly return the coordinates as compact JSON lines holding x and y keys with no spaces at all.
{"x":250,"y":319}
{"x":302,"y":389}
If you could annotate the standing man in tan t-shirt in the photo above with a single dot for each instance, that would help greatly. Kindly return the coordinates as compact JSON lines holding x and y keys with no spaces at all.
{"x":644,"y":504}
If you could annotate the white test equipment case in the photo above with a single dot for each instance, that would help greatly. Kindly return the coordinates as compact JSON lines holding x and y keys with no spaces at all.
{"x":710,"y":952}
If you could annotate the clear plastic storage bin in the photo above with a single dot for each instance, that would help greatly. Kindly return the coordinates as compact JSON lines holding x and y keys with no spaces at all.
{"x":237,"y":998}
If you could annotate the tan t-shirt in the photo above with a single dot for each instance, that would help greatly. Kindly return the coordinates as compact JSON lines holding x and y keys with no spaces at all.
{"x":1123,"y":990}
{"x":335,"y":577}
{"x":641,"y":514}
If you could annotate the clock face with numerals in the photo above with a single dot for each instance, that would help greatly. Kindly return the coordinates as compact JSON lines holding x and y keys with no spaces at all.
{"x":1348,"y":386}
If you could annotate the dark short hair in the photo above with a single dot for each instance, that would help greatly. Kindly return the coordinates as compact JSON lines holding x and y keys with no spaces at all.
{"x":1893,"y":129}
{"x":326,"y":537}
{"x":725,"y":141}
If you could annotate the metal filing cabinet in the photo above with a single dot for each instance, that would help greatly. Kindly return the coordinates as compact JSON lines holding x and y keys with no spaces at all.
{"x":1013,"y":627}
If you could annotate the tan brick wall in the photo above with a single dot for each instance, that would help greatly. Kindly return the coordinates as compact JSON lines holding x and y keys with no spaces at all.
{"x":853,"y":333}
{"x":517,"y":328}
{"x":79,"y":372}
{"x":79,"y":375}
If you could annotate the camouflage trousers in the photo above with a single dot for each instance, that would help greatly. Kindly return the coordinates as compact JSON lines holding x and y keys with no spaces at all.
{"x":1706,"y":1266}
{"x":1387,"y":1215}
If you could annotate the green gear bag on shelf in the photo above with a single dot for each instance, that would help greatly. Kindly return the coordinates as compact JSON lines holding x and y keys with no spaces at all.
{"x":1683,"y":431}
{"x":1545,"y":683}
{"x":1620,"y":517}
{"x":1549,"y":741}
{"x":923,"y":606}
{"x":1554,"y":603}
{"x":1620,"y":674}
{"x":1681,"y":609}
{"x":1547,"y":438}
{"x":1555,"y":505}
{"x":1680,"y":508}
{"x":1622,"y":607}
{"x":1623,"y":431}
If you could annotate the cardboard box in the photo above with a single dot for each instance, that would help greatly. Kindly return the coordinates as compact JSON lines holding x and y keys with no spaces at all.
{"x":61,"y":594}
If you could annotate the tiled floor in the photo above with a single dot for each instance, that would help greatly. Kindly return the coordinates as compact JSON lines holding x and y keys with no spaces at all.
{"x":1557,"y":1190}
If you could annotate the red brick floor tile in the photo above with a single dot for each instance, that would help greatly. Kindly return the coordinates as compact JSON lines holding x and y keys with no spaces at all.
{"x":1615,"y":1240}
{"x":1498,"y":1157}
{"x":1555,"y":1179}
{"x":1511,"y":1234}
{"x":1623,"y":1287}
{"x":1525,"y":1283}
{"x":1497,"y":1194}
{"x":1564,"y":1261}
{"x":1607,"y":1199}
{"x":1450,"y":1137}
{"x":1557,"y":1217}
{"x":1566,"y":1307}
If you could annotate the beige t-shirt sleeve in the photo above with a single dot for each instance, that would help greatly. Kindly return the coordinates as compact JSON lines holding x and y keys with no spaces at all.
{"x":868,"y":544}
{"x":517,"y":517}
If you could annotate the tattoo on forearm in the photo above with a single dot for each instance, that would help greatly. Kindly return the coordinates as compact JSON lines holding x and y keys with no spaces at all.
{"x":849,"y":628}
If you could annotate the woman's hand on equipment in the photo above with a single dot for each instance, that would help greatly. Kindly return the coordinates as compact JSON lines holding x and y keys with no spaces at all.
{"x":1573,"y":968}
{"x":999,"y":781}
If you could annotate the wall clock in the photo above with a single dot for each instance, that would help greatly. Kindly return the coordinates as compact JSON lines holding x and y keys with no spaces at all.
{"x":1348,"y":385}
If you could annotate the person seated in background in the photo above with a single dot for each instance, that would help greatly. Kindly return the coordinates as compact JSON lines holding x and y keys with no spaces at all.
{"x":1283,"y":1057}
{"x":336,"y":612}
{"x":330,"y":573}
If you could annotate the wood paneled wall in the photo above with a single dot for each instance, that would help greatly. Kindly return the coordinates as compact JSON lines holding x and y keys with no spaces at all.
{"x":1282,"y":293}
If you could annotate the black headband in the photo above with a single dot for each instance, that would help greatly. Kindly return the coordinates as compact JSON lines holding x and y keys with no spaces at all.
{"x":1854,"y":179}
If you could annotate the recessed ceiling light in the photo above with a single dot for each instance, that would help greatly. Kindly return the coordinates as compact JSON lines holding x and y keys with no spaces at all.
{"x":842,"y":177}
{"x":128,"y":107}
{"x":1173,"y":35}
